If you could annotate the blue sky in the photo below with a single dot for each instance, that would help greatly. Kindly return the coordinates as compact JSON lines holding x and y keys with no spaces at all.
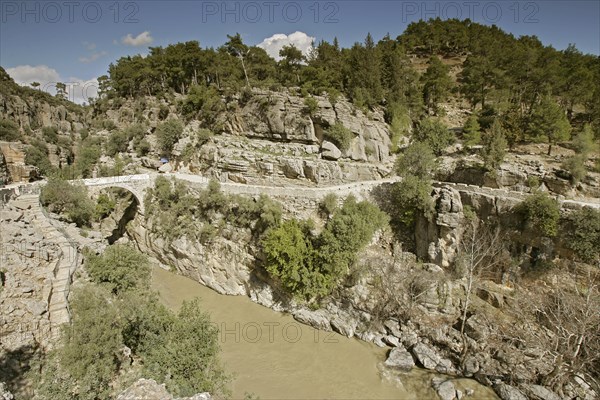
{"x":77,"y":40}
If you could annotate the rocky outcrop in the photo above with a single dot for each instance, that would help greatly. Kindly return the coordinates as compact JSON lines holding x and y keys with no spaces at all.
{"x":28,"y":261}
{"x":12,"y":164}
{"x":33,"y":112}
{"x":437,"y":239}
{"x":148,"y":389}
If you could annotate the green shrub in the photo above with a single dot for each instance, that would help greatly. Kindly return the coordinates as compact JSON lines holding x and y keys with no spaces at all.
{"x":104,"y":206}
{"x":89,"y":154}
{"x":63,"y":197}
{"x":433,"y":132}
{"x":400,"y":123}
{"x":84,"y":133}
{"x":186,"y":356}
{"x":203,"y":135}
{"x":36,"y":154}
{"x":121,"y":268}
{"x":50,"y":134}
{"x":142,"y":148}
{"x":311,"y":105}
{"x":541,"y":213}
{"x":328,"y":205}
{"x":494,"y":146}
{"x":167,"y":134}
{"x":584,"y":236}
{"x":576,"y":167}
{"x":340,"y":136}
{"x":289,"y":257}
{"x":117,"y":142}
{"x":9,"y":131}
{"x":417,"y":160}
{"x":472,"y":131}
{"x":311,"y":267}
{"x":412,"y":196}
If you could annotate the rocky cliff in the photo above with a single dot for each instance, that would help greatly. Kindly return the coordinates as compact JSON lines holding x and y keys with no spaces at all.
{"x":33,"y":109}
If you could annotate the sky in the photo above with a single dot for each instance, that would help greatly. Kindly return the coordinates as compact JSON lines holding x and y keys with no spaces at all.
{"x":75,"y":41}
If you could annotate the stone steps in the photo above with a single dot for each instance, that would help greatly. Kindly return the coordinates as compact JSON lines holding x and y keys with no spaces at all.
{"x":58,"y":307}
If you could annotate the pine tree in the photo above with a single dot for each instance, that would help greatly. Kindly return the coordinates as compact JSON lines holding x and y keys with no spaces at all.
{"x":471,"y":131}
{"x":436,"y":82}
{"x":549,"y":121}
{"x":494,"y":146}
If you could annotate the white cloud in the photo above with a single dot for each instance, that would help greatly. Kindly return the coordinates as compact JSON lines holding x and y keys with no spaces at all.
{"x":142,"y":39}
{"x":78,"y":90}
{"x":25,"y":74}
{"x":273,"y":44}
{"x":93,"y":57}
{"x":89,"y":45}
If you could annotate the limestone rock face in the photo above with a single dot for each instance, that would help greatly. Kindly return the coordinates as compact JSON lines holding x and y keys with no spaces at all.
{"x":12,"y":163}
{"x":30,"y":112}
{"x":437,"y":239}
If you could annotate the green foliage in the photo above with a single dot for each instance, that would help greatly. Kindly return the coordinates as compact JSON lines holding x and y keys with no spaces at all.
{"x":104,"y":206}
{"x":471,"y":131}
{"x":541,"y":213}
{"x":142,"y":148}
{"x":576,"y":167}
{"x":549,"y":122}
{"x":435,"y":134}
{"x":84,"y":133}
{"x":400,"y":123}
{"x":37,"y":155}
{"x":50,"y":134}
{"x":289,"y":257}
{"x":411,"y":197}
{"x":494,"y":146}
{"x":63,"y":197}
{"x":118,"y":142}
{"x":339,"y":135}
{"x":121,"y":268}
{"x":185,"y":357}
{"x":167,"y":134}
{"x":204,"y":103}
{"x":311,"y":105}
{"x":203,"y":135}
{"x":533,"y":182}
{"x":178,"y":350}
{"x":328,"y":205}
{"x":311,"y":267}
{"x":89,"y":154}
{"x":416,"y":160}
{"x":200,"y":216}
{"x":583,"y":237}
{"x":9,"y":131}
{"x":436,"y":82}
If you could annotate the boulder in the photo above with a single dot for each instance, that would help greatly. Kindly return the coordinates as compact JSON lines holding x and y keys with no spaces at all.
{"x":508,"y":392}
{"x":318,"y":319}
{"x":446,"y":390}
{"x":400,"y":359}
{"x":426,"y":355}
{"x":166,"y":168}
{"x":330,"y":151}
{"x":540,"y":392}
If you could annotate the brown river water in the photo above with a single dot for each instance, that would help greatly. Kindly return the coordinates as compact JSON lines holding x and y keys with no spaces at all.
{"x":271,"y":355}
